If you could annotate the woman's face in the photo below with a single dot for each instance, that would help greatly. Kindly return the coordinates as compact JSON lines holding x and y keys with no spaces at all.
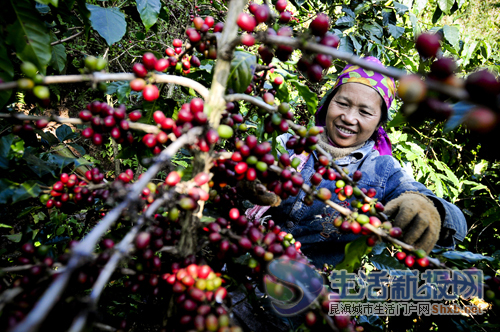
{"x":353,"y":114}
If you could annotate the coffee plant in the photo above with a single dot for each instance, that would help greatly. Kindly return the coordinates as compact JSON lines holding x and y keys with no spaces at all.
{"x":190,"y":97}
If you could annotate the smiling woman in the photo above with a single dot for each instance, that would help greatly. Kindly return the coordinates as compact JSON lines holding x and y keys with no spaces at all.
{"x":352,"y":116}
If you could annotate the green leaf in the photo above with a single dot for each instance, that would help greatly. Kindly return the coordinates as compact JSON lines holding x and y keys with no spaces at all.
{"x":470,"y":48}
{"x":357,"y":46}
{"x":388,"y":17}
{"x":60,"y":230}
{"x":65,"y":132}
{"x":26,"y":190}
{"x":396,"y":31}
{"x":346,"y":45}
{"x":385,"y":262}
{"x":460,"y":3}
{"x":5,"y":143}
{"x":348,"y":21}
{"x":414,"y":24}
{"x":298,"y":3}
{"x":6,"y":190}
{"x":5,"y":226}
{"x":242,"y":70}
{"x":310,"y":97}
{"x":353,"y":253}
{"x":38,"y":166}
{"x":452,"y":35}
{"x":108,"y":22}
{"x":400,"y":8}
{"x":149,"y":10}
{"x":420,"y":5}
{"x":6,"y":74}
{"x":15,"y":237}
{"x":438,"y":13}
{"x":78,"y":148}
{"x":373,"y":30}
{"x":466,"y":255}
{"x":54,"y":3}
{"x":58,"y":60}
{"x":445,"y":5}
{"x":29,"y":35}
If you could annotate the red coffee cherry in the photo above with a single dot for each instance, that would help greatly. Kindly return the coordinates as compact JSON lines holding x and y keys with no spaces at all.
{"x":209,"y":20}
{"x":218,"y":27}
{"x":150,"y":92}
{"x":330,"y":40}
{"x":427,"y":45}
{"x":135,"y":115}
{"x":285,"y":17}
{"x":246,"y":22}
{"x":320,"y":25}
{"x":149,"y":60}
{"x":247,"y":39}
{"x":139,"y":70}
{"x":261,"y":13}
{"x":162,"y":64}
{"x":177,"y":43}
{"x":281,"y":5}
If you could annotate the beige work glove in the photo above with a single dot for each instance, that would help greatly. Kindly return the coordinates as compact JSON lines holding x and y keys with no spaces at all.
{"x":419,"y":219}
{"x":257,"y":193}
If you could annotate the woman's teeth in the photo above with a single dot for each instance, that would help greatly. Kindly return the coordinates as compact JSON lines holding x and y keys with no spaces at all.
{"x":345,"y":131}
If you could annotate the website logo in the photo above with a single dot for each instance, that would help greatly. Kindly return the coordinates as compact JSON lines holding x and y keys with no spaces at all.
{"x":293,"y":286}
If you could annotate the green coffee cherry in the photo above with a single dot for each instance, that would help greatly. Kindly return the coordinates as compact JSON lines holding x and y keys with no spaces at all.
{"x":25,"y":84}
{"x":29,"y":69}
{"x":38,"y":79}
{"x":91,"y":62}
{"x":41,"y":92}
{"x":295,"y":162}
{"x":225,"y":131}
{"x":100,"y":64}
{"x":283,"y":108}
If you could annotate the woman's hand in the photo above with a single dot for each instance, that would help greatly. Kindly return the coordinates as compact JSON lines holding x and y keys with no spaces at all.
{"x":257,"y":193}
{"x":419,"y":219}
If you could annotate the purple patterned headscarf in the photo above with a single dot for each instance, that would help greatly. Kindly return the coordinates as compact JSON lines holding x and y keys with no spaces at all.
{"x":384,"y":85}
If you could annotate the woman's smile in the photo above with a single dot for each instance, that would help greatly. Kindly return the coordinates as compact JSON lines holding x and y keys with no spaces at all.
{"x":353,"y":115}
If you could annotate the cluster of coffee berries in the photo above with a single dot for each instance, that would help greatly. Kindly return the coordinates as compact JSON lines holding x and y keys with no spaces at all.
{"x":144,"y":72}
{"x":26,"y":127}
{"x":232,"y":118}
{"x":263,"y":242}
{"x":198,"y":37}
{"x":306,"y":140}
{"x":107,"y":119}
{"x":28,"y":281}
{"x":313,"y":319}
{"x":70,"y":188}
{"x":418,"y":256}
{"x":199,"y":296}
{"x":492,"y":289}
{"x":278,"y":120}
{"x":32,"y":83}
{"x":289,"y":182}
{"x":249,"y":161}
{"x":311,"y":63}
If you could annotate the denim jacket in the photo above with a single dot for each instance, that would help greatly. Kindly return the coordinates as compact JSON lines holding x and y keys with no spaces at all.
{"x":313,"y":225}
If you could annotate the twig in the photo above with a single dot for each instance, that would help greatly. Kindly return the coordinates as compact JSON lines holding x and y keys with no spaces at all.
{"x":82,"y":250}
{"x":106,"y":273}
{"x":253,"y":100}
{"x":133,"y":125}
{"x":215,"y":101}
{"x":102,"y":77}
{"x":355,"y":60}
{"x":66,"y":39}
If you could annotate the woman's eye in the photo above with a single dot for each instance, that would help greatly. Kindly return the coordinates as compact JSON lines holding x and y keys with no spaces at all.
{"x":365,"y":112}
{"x":342,"y":104}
